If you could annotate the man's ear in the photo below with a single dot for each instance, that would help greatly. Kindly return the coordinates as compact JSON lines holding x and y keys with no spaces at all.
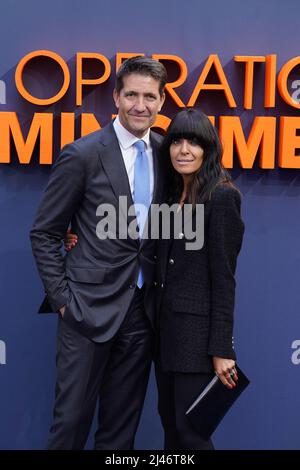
{"x":116,"y":97}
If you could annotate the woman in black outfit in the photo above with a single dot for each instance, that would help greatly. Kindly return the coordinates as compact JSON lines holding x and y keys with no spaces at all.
{"x":198,"y":286}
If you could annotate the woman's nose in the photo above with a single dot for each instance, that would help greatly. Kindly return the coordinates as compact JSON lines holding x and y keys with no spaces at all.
{"x":184,"y":147}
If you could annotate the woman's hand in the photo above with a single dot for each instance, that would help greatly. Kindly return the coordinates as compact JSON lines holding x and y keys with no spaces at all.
{"x":70,"y":240}
{"x":226,"y":371}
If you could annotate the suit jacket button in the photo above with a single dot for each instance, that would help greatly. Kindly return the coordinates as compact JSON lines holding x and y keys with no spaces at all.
{"x":154,"y":283}
{"x":162,"y":285}
{"x":154,"y":257}
{"x":132,"y":286}
{"x":171,"y":261}
{"x":180,"y":235}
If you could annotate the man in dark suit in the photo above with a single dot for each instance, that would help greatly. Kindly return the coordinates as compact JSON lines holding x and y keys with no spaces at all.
{"x":102,"y":288}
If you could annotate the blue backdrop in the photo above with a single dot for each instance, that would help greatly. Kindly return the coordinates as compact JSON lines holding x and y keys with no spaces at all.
{"x":268,"y":294}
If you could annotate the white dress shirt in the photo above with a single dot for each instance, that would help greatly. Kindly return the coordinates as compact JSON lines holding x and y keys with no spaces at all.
{"x":129,"y":153}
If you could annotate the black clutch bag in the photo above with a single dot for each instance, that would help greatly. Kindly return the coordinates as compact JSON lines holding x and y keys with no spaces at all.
{"x":210,"y":407}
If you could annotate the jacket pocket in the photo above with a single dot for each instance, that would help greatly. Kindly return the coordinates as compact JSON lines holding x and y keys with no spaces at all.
{"x":86,"y":275}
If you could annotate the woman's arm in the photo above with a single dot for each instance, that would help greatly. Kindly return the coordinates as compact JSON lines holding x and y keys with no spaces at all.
{"x":225,"y":236}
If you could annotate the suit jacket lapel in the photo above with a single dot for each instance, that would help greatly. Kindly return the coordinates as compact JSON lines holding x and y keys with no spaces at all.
{"x":158,"y":178}
{"x":113,"y":164}
{"x":114,"y":167}
{"x":157,"y":166}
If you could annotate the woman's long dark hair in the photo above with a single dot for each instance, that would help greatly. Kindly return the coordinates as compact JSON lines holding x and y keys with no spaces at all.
{"x":194,"y":125}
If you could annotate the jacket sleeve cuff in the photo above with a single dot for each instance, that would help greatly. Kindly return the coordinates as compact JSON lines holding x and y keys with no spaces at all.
{"x":221,"y":343}
{"x":225,"y":353}
{"x":58,"y":301}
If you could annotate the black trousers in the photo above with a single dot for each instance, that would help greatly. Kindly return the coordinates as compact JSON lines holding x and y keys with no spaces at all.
{"x":118,"y":370}
{"x":176,"y":392}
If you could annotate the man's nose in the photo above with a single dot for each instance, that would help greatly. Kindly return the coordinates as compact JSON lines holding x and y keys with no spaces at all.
{"x":140,"y":104}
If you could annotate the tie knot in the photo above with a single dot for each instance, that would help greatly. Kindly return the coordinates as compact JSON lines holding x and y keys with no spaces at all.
{"x":140,"y":145}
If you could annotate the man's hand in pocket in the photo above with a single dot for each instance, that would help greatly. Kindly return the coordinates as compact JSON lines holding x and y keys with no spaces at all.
{"x":62,"y":310}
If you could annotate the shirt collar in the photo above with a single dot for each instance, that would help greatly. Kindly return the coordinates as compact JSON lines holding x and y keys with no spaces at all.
{"x":125,"y":137}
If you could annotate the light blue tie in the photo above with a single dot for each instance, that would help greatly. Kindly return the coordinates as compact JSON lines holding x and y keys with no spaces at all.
{"x":141,"y":192}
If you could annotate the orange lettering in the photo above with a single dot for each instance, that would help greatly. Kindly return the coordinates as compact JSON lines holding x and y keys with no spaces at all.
{"x":181,"y":79}
{"x":67,"y":133}
{"x":288,"y":142}
{"x":282,"y":82}
{"x":42,"y":125}
{"x":213,"y":60}
{"x":262,"y":135}
{"x":121,"y":56}
{"x":89,"y":124}
{"x":249,"y":72}
{"x":270,"y":81}
{"x":19,"y":80}
{"x":80,"y":56}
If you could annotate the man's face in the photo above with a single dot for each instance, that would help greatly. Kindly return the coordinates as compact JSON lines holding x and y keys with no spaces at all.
{"x":138,"y":103}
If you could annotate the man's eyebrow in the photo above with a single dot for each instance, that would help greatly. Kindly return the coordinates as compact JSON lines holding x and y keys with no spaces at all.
{"x":131,"y":92}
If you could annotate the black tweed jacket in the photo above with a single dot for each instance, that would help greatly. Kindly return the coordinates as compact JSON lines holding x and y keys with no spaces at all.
{"x":197,"y":289}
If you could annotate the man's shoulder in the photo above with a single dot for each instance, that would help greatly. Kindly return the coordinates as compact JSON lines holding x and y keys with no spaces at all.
{"x":92,"y":140}
{"x":86,"y":150}
{"x":156,"y":138}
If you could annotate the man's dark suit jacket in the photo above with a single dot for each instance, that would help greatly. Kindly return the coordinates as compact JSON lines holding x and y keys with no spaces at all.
{"x":96,"y":280}
{"x":197,"y":301}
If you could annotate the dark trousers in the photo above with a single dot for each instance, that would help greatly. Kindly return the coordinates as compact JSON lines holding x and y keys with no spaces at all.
{"x":118,"y":370}
{"x":176,"y":392}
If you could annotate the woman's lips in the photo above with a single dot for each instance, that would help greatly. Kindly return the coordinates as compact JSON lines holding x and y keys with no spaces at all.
{"x":184,"y":162}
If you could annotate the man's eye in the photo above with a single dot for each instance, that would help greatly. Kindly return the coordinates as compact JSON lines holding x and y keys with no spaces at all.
{"x":176,"y":142}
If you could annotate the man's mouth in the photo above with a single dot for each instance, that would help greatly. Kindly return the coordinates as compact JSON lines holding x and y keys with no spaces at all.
{"x":139,"y":116}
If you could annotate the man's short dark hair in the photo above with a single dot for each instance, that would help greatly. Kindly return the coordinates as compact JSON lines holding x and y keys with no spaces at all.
{"x":143,"y":66}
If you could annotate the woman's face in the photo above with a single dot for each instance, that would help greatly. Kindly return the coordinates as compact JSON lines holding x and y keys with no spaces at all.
{"x":186,"y":156}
